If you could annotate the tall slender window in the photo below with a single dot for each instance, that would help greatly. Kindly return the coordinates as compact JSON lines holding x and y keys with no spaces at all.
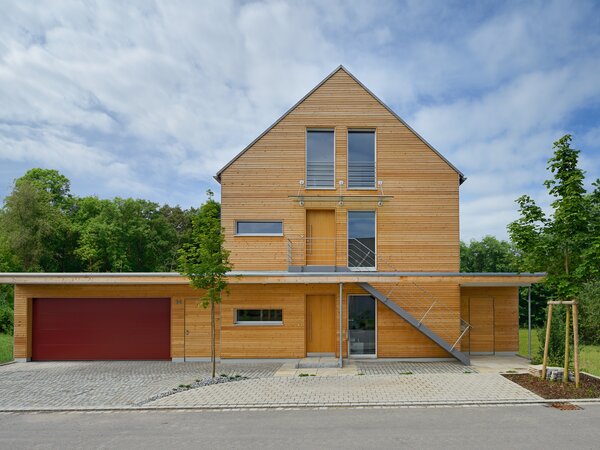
{"x":361,"y":240}
{"x":319,"y":159}
{"x":361,"y":159}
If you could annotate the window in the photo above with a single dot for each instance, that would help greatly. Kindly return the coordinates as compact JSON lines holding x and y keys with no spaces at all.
{"x":361,"y":239}
{"x":361,"y":159}
{"x":319,"y":159}
{"x":259,"y":228}
{"x":259,"y":316}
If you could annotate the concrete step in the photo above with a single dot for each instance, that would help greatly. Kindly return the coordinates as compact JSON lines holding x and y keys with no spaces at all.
{"x":316,"y":362}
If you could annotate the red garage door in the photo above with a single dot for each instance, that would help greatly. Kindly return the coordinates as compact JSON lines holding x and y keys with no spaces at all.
{"x":70,"y":329}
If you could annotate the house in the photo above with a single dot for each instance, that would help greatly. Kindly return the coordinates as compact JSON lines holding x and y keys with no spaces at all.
{"x":343,"y":227}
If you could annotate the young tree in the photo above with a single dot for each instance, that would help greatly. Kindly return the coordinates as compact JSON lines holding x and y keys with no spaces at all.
{"x":564,"y":244}
{"x":205,"y":261}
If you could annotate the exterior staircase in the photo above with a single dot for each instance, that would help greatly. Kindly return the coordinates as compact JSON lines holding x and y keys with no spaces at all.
{"x":412,"y":320}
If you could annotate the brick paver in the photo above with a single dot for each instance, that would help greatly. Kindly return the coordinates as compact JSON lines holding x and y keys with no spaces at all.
{"x":404,"y":367}
{"x":105,"y":383}
{"x":352,"y":390}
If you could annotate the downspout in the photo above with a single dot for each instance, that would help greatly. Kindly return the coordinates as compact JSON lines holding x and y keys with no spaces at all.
{"x":341,"y":361}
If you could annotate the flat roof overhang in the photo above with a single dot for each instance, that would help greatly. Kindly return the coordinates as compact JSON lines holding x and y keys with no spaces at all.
{"x":272,"y":277}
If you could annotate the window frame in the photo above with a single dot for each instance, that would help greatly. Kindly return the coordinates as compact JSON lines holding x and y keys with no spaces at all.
{"x":374,"y":131}
{"x":360,"y":269}
{"x":236,"y":233}
{"x":249,"y":323}
{"x":316,"y":188}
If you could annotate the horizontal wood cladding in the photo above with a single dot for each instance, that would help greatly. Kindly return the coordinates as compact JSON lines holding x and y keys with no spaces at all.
{"x":267,"y":341}
{"x":190,"y":323}
{"x":25,"y":293}
{"x":417,"y":230}
{"x":398,"y":339}
{"x":506,"y":316}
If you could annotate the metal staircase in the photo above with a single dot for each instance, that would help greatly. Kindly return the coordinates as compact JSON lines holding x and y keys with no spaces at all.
{"x":419,"y":325}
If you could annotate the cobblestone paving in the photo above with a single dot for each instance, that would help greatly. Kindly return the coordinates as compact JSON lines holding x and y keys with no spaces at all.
{"x":105,"y":383}
{"x":402,"y":367}
{"x":352,"y":390}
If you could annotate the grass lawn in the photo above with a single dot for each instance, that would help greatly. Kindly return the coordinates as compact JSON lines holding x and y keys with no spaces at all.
{"x":6,"y":348}
{"x":589,"y":355}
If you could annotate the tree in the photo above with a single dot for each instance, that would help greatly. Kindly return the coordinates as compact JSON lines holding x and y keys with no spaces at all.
{"x":51,"y":181}
{"x":205,"y":261}
{"x":34,"y":230}
{"x":566,"y":243}
{"x":487,"y":255}
{"x":123,"y":235}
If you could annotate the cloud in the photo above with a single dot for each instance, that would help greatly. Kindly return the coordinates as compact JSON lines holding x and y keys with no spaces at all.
{"x":150,"y":99}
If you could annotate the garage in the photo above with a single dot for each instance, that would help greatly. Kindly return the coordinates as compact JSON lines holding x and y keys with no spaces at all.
{"x":71,"y":329}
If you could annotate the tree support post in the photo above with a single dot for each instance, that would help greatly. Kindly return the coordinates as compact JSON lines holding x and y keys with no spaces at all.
{"x":529,"y":322}
{"x":567,"y":332}
{"x":576,"y":343}
{"x":547,"y":343}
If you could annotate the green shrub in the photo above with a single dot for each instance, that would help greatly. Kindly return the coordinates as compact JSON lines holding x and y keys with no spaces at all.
{"x":589,"y":313}
{"x":6,"y":318}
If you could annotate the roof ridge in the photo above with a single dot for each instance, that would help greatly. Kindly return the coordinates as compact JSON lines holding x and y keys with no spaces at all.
{"x":462,"y":177}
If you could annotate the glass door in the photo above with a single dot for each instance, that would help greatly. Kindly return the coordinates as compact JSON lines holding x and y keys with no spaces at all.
{"x":362,"y":326}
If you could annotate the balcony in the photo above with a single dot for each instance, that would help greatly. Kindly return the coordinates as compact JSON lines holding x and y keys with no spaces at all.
{"x":324,"y":254}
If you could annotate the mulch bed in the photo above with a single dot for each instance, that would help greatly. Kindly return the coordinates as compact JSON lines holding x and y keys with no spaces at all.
{"x":589,"y":386}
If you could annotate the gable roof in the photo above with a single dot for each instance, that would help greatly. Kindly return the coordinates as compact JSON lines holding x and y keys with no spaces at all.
{"x":461,"y":176}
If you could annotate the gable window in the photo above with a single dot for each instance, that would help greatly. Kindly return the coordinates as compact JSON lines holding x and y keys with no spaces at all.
{"x":259,"y":316}
{"x":319,"y":159}
{"x":258,"y":228}
{"x":361,"y":240}
{"x":361,"y":159}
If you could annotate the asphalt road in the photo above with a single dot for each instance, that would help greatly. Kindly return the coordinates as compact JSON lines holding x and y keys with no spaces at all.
{"x":485,"y":427}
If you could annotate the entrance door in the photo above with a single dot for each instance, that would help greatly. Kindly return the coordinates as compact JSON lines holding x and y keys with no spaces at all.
{"x":197,"y":329}
{"x":320,"y":324}
{"x":362,"y":327}
{"x":481,"y":318}
{"x":320,"y":237}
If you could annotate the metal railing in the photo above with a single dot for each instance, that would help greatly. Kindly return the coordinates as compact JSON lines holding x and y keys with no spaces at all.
{"x":320,"y":174}
{"x":310,"y":251}
{"x":361,"y":174}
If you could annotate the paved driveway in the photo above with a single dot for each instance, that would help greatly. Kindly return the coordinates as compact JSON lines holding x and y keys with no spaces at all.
{"x":104,"y":383}
{"x":366,"y":390}
{"x":68,"y":385}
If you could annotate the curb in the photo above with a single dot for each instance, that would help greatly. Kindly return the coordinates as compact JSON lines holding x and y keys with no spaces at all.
{"x":258,"y":406}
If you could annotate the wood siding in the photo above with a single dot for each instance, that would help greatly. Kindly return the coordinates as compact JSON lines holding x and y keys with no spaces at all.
{"x":417,"y":230}
{"x":506,"y":317}
{"x":190,"y":332}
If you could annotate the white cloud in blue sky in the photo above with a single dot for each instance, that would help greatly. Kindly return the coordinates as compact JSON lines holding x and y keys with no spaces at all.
{"x":150,"y":99}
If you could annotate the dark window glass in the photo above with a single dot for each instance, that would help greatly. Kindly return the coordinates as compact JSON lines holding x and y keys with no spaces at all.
{"x":319,"y":159}
{"x":259,"y":315}
{"x":361,"y":239}
{"x":361,"y":159}
{"x":248,"y":227}
{"x":361,"y":325}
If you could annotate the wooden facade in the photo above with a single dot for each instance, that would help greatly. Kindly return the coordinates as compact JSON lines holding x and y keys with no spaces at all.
{"x":417,"y":250}
{"x":190,"y":322}
{"x":417,"y":230}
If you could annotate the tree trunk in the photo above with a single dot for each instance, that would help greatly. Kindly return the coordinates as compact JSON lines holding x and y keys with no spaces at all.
{"x":213,"y":358}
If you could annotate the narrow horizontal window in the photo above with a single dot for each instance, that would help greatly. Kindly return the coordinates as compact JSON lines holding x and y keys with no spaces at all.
{"x":361,"y":159}
{"x":258,"y":316}
{"x":319,"y":159}
{"x":255,"y":228}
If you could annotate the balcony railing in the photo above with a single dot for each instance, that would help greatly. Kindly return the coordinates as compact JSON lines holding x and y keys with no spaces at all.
{"x":329,"y":252}
{"x":361,"y":174}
